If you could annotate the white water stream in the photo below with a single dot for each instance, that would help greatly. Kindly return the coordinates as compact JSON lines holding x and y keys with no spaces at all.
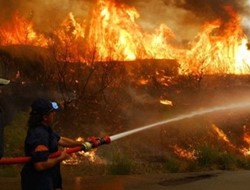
{"x":182,"y":117}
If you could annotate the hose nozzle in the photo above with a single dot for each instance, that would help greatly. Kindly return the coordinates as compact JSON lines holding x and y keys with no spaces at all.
{"x":105,"y":140}
{"x":94,"y":142}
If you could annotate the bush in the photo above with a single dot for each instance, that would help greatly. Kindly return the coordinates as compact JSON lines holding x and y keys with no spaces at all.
{"x":14,"y":135}
{"x":244,"y":163}
{"x":120,"y":165}
{"x":227,"y":161}
{"x":213,"y":158}
{"x":172,"y":165}
{"x":10,"y":170}
{"x":207,"y":156}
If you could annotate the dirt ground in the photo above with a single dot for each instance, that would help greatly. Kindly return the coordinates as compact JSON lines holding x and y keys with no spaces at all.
{"x":215,"y":180}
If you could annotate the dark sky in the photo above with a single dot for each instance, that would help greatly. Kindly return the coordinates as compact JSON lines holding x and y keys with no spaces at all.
{"x":184,"y":17}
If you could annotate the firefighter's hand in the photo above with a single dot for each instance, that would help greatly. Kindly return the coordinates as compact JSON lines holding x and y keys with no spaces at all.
{"x":95,"y":141}
{"x":64,"y":155}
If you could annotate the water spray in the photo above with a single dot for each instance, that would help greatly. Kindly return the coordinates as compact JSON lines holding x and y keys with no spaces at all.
{"x":181,"y":117}
{"x":94,"y":142}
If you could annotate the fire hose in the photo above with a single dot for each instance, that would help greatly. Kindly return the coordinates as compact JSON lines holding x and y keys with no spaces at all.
{"x":91,"y":143}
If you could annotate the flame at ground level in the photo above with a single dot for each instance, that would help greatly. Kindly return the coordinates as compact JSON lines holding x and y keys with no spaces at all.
{"x":193,"y":153}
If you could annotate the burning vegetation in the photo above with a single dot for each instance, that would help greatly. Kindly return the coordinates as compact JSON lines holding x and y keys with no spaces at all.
{"x":111,"y":74}
{"x":111,"y":32}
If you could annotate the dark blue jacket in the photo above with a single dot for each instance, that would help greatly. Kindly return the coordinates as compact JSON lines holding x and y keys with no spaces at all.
{"x":40,"y":180}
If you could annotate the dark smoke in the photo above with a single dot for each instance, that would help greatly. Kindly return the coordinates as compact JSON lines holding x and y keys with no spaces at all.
{"x":185,"y":17}
{"x":208,"y":9}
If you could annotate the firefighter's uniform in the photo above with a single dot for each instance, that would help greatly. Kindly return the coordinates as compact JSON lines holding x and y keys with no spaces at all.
{"x":40,"y":142}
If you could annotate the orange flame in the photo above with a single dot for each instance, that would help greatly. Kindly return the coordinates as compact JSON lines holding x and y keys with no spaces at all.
{"x":182,"y":153}
{"x":221,"y":48}
{"x":77,"y":158}
{"x":246,"y":137}
{"x":166,"y":102}
{"x":113,"y":34}
{"x":20,"y":31}
{"x":221,"y":134}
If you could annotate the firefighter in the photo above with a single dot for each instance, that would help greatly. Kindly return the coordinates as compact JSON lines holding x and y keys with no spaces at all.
{"x":2,"y":82}
{"x":43,"y":173}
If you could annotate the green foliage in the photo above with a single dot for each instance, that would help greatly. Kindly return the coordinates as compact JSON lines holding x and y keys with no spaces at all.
{"x":172,"y":165}
{"x":14,"y":135}
{"x":120,"y":165}
{"x":207,"y":156}
{"x":212,"y":158}
{"x":244,"y":163}
{"x":227,"y":161}
{"x":10,"y":170}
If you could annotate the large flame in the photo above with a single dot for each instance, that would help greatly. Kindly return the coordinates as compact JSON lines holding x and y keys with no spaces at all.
{"x":220,"y":48}
{"x":112,"y":33}
{"x":20,"y":31}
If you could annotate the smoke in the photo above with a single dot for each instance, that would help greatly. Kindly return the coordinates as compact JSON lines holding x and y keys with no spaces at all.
{"x":7,"y":8}
{"x":185,"y":17}
{"x":208,"y":10}
{"x":45,"y":14}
